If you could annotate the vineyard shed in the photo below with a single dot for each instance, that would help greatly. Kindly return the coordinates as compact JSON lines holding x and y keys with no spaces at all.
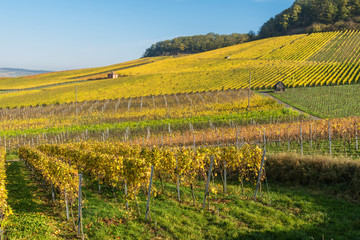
{"x":279,"y":87}
{"x":113,"y":75}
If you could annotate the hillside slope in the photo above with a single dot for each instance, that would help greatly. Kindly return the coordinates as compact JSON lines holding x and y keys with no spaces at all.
{"x":53,"y":78}
{"x":299,"y":60}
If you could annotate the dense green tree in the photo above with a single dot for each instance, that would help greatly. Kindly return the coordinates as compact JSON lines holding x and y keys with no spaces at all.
{"x":314,"y":15}
{"x":296,"y":10}
{"x":354,"y":7}
{"x":196,"y":44}
{"x":344,"y":10}
{"x":327,"y":11}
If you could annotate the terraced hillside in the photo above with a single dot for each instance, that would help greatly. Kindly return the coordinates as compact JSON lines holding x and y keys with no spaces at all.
{"x":317,"y":59}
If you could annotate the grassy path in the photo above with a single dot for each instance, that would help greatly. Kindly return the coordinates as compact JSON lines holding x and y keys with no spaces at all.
{"x":266,"y":94}
{"x":34,"y":216}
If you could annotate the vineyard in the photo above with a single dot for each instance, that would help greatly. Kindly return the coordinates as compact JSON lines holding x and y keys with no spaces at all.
{"x":5,"y":210}
{"x":151,"y":182}
{"x":181,"y":148}
{"x":317,"y":59}
{"x":198,"y":119}
{"x":140,"y":116}
{"x":173,"y":159}
{"x":331,"y":102}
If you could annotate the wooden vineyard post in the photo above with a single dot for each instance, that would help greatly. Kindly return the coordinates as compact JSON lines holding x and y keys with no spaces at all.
{"x":259,"y":176}
{"x":329,"y":130}
{"x":177,"y":99}
{"x":344,"y":136}
{"x":217,"y":137}
{"x":141,"y":103}
{"x":311,"y":136}
{"x":67,"y":206}
{"x":153,"y":100}
{"x":224,"y":187}
{"x":52,"y":192}
{"x":192,"y":193}
{"x":169,"y":128}
{"x":166,"y":104}
{"x":178,"y":187}
{"x":126,"y":195}
{"x":147,"y":213}
{"x":279,"y":139}
{"x":80,"y":221}
{"x":222,"y":139}
{"x":99,"y":185}
{"x":264,"y":140}
{"x":288,"y":140}
{"x":129,"y":104}
{"x":237,"y":137}
{"x":356,"y":137}
{"x":208,"y":181}
{"x":148,"y":134}
{"x":177,"y":181}
{"x":301,"y":141}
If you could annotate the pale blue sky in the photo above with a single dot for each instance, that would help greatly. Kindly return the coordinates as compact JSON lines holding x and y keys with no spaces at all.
{"x":70,"y":34}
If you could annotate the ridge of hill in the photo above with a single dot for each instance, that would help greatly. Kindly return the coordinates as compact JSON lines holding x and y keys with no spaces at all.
{"x":318,"y":59}
{"x":18,"y":72}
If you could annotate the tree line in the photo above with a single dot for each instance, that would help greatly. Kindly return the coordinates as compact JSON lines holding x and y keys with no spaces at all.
{"x":196,"y":44}
{"x":314,"y":16}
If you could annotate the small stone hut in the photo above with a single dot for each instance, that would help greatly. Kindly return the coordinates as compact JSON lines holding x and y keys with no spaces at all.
{"x":113,"y":75}
{"x":279,"y":87}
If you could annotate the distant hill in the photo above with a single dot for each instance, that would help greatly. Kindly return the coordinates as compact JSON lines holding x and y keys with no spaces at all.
{"x":18,"y":72}
{"x":308,"y":16}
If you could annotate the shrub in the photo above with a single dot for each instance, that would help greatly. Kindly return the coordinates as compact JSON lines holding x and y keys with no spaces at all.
{"x":316,"y":170}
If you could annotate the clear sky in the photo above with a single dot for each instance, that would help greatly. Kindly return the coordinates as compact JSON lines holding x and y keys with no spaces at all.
{"x":71,"y":34}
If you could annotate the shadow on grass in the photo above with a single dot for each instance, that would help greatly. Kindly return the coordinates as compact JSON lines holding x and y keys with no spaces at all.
{"x":296,"y":213}
{"x":34,"y":216}
{"x":21,"y":189}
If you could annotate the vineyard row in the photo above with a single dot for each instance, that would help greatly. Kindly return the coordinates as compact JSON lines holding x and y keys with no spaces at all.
{"x":5,"y":209}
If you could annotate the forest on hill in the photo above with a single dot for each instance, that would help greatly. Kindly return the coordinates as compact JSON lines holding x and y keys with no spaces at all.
{"x":196,"y":44}
{"x":306,"y":16}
